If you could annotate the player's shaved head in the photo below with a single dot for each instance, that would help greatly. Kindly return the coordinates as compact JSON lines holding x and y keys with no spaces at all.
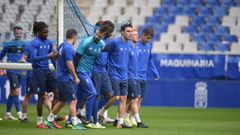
{"x":71,"y":33}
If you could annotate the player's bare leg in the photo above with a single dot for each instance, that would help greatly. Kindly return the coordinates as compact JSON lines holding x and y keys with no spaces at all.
{"x":109,"y":103}
{"x":25,"y":104}
{"x":40,"y":111}
{"x":105,"y":115}
{"x":47,"y":102}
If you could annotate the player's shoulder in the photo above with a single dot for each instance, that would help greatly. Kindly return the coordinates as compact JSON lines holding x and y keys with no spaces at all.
{"x":114,"y":40}
{"x":87,"y":41}
{"x":35,"y":42}
{"x":139,"y":43}
{"x":149,"y":44}
{"x":27,"y":44}
{"x":102,"y":43}
{"x":48,"y":41}
{"x":67,"y":45}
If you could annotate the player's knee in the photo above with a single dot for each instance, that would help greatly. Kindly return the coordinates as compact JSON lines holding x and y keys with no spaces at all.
{"x":134,"y":101}
{"x":73,"y":102}
{"x":116,"y":97}
{"x":123,"y":98}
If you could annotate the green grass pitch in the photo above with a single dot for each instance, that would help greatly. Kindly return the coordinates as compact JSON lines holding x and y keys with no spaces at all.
{"x":162,"y":121}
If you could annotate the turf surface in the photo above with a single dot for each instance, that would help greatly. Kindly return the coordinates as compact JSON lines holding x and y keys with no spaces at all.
{"x":162,"y":121}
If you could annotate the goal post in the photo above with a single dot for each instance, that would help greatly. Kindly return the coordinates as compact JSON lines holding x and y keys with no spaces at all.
{"x":60,"y":21}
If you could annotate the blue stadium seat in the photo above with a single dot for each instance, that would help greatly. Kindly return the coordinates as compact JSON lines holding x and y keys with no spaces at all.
{"x":156,"y":36}
{"x":167,"y":19}
{"x":228,"y":2}
{"x":198,"y":20}
{"x":213,"y":20}
{"x":212,"y":2}
{"x":168,"y":2}
{"x":206,"y":29}
{"x":198,"y":38}
{"x":161,"y":11}
{"x":221,"y":47}
{"x":212,"y":38}
{"x":190,"y":11}
{"x":152,"y":19}
{"x":205,"y":11}
{"x":197,"y":2}
{"x":220,"y":11}
{"x":190,"y":29}
{"x":206,"y":46}
{"x":229,"y":38}
{"x":221,"y":30}
{"x":183,"y":2}
{"x":160,"y":28}
{"x":176,"y":11}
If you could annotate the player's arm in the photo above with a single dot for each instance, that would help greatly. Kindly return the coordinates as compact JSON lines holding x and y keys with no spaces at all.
{"x":71,"y":69}
{"x":23,"y":58}
{"x":152,"y":67}
{"x":36,"y":58}
{"x":77,"y":57}
{"x":25,"y":55}
{"x":69,"y":60}
{"x":3,"y":53}
{"x":79,"y":52}
{"x":54,"y":54}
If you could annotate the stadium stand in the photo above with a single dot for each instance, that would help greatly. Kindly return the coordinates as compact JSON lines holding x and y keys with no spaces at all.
{"x":23,"y":13}
{"x":210,"y":26}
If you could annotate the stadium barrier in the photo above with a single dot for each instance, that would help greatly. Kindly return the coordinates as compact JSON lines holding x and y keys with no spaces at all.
{"x":171,"y":93}
{"x":194,"y":66}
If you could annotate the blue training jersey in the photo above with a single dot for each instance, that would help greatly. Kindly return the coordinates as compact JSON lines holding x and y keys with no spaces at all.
{"x":40,"y":50}
{"x":89,"y":51}
{"x":118,"y":59}
{"x":133,"y":63}
{"x":14,"y":51}
{"x":145,"y":61}
{"x":27,"y":52}
{"x":65,"y":53}
{"x":101,"y":61}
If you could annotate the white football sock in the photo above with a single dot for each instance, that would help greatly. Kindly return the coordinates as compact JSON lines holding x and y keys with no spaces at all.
{"x":39,"y":120}
{"x":74,"y":120}
{"x":120,"y":121}
{"x":136,"y":116}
